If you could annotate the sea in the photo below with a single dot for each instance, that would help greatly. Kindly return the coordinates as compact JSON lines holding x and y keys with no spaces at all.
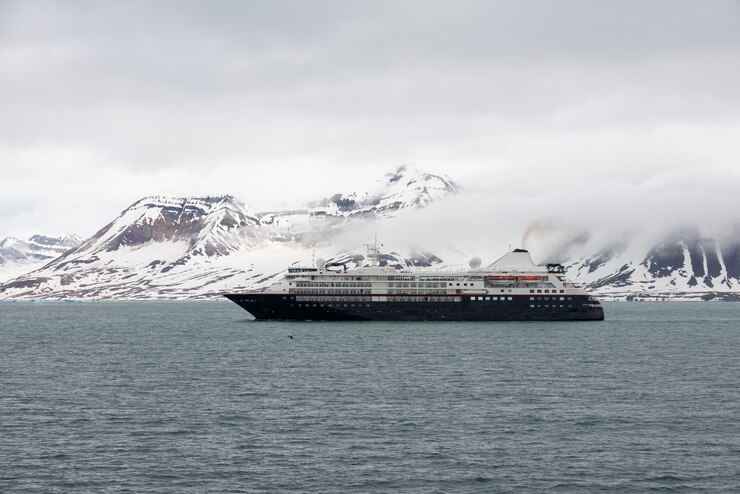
{"x":180,"y":397}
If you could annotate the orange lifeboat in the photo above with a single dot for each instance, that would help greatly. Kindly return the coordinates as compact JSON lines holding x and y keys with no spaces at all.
{"x":530,"y":278}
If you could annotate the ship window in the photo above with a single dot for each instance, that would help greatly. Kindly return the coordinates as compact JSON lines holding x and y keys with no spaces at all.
{"x":539,"y":291}
{"x":570,"y":298}
{"x":531,"y":291}
{"x":458,"y":284}
{"x":488,"y":298}
{"x":562,"y":291}
{"x":531,"y":305}
{"x":510,"y":298}
{"x":562,"y":298}
{"x":532,"y":298}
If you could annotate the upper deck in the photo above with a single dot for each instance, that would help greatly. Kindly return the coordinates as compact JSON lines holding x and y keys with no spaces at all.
{"x":515,"y":276}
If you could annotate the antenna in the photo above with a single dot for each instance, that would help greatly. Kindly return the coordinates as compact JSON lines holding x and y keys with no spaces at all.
{"x":373,"y":253}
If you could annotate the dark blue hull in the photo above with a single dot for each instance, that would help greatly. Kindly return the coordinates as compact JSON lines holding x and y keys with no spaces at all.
{"x":271,"y":306}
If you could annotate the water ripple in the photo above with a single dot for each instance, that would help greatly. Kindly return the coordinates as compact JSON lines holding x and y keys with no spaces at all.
{"x":191,"y":397}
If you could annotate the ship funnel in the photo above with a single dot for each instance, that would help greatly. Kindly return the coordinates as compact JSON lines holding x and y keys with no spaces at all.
{"x":516,"y":259}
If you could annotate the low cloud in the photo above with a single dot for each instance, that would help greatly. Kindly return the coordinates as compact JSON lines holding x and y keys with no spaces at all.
{"x":601,"y":216}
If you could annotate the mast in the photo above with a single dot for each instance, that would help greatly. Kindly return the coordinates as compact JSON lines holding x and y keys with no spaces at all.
{"x":373,"y":252}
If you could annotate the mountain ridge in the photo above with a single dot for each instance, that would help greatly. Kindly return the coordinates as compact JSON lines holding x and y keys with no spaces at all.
{"x":18,"y":256}
{"x":175,"y":247}
{"x":197,"y":247}
{"x":684,"y":264}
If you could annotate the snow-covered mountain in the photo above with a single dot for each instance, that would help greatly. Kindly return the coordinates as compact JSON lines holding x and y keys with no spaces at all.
{"x":19,"y":256}
{"x":169,"y":247}
{"x":198,"y":247}
{"x":406,"y":188}
{"x":684,"y":265}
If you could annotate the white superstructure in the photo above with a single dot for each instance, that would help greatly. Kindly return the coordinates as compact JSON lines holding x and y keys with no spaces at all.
{"x":513,"y":274}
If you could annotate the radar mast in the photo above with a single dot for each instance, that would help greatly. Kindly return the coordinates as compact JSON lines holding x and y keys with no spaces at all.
{"x":373,"y":252}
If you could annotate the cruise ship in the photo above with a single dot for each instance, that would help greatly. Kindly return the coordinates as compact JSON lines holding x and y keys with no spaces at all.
{"x":513,"y":288}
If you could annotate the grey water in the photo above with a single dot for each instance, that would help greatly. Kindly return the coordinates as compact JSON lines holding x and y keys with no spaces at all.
{"x":194,"y":397}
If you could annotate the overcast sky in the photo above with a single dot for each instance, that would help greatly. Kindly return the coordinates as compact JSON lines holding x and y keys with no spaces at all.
{"x":279,"y":103}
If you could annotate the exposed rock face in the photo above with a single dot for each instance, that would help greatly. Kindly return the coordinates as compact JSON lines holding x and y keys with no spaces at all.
{"x":404,"y":189}
{"x":18,"y":256}
{"x":685,"y":265}
{"x":208,"y":224}
{"x":36,"y":248}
